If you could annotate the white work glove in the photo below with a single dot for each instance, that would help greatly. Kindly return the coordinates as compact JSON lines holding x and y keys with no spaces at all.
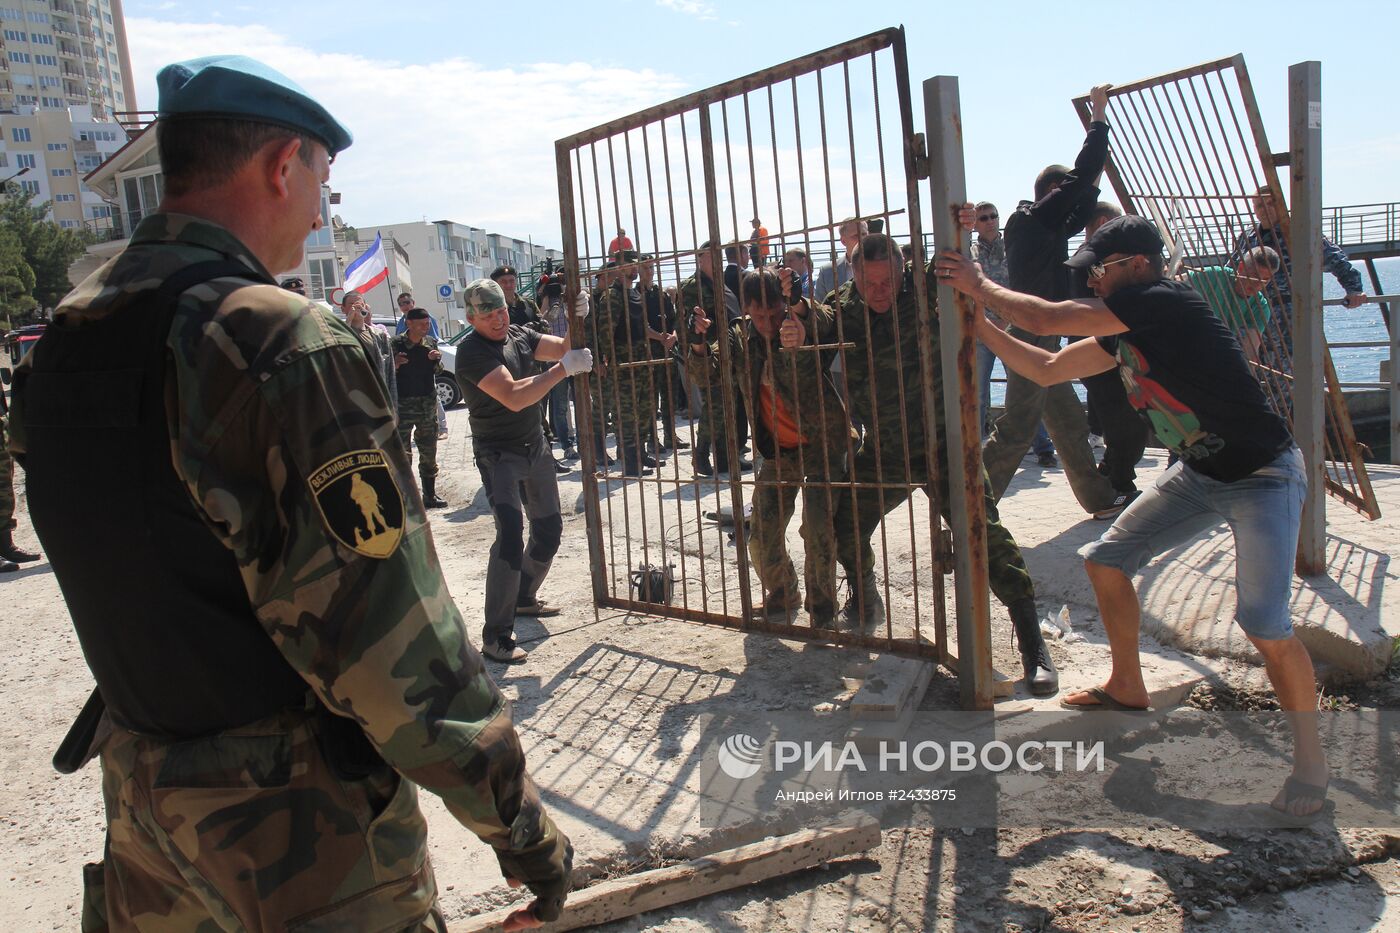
{"x":577,"y":361}
{"x":581,"y":307}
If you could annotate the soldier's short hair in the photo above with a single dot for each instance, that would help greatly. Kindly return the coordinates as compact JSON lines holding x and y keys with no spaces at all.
{"x":1105,"y":210}
{"x":983,"y":205}
{"x":1264,"y":257}
{"x":1049,"y":177}
{"x":203,"y":152}
{"x":877,"y":247}
{"x":762,"y":287}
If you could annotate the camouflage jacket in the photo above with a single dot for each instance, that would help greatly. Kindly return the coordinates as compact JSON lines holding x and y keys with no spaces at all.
{"x":698,"y":291}
{"x":801,"y":379}
{"x":525,"y":313}
{"x":399,"y":343}
{"x":619,"y":324}
{"x":273,"y":411}
{"x":885,"y":360}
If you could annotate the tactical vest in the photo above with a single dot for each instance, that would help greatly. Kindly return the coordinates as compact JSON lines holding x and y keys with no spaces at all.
{"x":157,"y":600}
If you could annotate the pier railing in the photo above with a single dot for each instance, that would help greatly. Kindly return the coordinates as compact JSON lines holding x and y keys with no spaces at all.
{"x":1391,"y":385}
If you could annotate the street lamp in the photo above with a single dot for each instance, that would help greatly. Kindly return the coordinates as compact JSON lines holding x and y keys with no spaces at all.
{"x":5,"y":185}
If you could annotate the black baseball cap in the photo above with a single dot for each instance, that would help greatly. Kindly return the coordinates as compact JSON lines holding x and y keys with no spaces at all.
{"x":1129,"y":234}
{"x":499,"y":271}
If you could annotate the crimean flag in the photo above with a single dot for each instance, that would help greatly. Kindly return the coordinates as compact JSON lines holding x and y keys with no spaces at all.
{"x":368,"y":270}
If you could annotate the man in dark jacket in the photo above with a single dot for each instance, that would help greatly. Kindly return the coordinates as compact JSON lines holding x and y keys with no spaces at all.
{"x":1037,"y":245}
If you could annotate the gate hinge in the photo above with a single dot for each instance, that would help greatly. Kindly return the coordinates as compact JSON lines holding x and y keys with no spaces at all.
{"x":1281,"y":159}
{"x":920,"y":153}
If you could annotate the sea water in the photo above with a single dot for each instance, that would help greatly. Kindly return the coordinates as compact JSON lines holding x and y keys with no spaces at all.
{"x":1342,"y":325}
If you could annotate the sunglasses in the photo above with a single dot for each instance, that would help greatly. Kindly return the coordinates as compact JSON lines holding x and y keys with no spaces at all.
{"x":1099,"y":269}
{"x":987,"y":217}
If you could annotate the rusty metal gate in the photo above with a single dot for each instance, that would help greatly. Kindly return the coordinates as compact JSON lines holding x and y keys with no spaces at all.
{"x":808,"y":147}
{"x":1189,"y":151}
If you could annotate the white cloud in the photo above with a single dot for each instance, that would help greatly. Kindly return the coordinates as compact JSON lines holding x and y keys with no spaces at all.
{"x":449,"y":139}
{"x":697,"y":8}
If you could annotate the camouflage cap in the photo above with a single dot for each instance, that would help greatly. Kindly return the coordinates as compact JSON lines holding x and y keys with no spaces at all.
{"x":240,"y":88}
{"x":483,"y":296}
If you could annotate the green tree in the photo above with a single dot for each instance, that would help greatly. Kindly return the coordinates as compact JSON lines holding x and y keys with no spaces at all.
{"x":16,"y":282}
{"x":48,"y":249}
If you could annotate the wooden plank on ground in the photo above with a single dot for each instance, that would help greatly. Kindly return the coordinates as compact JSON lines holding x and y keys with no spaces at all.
{"x":712,"y":874}
{"x":891,"y":685}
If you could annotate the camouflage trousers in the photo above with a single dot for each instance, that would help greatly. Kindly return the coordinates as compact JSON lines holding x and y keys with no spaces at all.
{"x":418,"y":420}
{"x":768,"y":521}
{"x":249,"y":829}
{"x":628,"y":396}
{"x":7,"y":481}
{"x":863,"y":509}
{"x":714,"y":430}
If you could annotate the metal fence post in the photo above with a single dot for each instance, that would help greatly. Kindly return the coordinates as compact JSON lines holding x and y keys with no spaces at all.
{"x":966,"y":507}
{"x":1305,"y":168}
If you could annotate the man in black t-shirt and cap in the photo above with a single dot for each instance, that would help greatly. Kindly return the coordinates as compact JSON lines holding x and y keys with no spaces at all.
{"x":1185,"y":373}
{"x":496,"y":370}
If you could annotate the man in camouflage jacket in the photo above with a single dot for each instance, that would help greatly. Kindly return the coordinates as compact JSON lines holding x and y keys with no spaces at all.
{"x":801,"y":428}
{"x":879,"y":314}
{"x":275,"y":457}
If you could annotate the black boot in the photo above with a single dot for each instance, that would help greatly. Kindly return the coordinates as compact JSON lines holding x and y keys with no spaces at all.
{"x":634,"y":462}
{"x":701,"y":462}
{"x":9,"y":552}
{"x":8,"y":566}
{"x":864,"y":609}
{"x":430,"y":496}
{"x":1041,"y":678}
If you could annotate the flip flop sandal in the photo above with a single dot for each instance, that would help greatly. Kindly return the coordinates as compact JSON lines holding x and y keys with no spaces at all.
{"x":1104,"y":702}
{"x":1295,"y":789}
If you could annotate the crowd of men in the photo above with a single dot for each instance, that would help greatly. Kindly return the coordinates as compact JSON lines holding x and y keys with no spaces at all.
{"x":259,"y":455}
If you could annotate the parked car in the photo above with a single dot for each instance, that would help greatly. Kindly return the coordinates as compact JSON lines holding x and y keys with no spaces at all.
{"x":449,"y":392}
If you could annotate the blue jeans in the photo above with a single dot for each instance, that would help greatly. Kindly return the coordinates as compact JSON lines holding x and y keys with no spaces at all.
{"x":986,"y":360}
{"x":1263,"y":510}
{"x":560,"y":424}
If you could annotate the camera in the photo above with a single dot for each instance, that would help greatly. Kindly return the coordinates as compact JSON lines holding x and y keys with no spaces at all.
{"x":795,"y":295}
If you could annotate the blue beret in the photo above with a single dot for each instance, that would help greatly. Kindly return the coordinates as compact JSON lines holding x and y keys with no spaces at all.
{"x":241,"y":88}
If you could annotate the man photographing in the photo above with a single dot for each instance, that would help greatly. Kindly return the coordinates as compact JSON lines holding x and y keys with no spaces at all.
{"x":1186,"y":373}
{"x":496,"y":369}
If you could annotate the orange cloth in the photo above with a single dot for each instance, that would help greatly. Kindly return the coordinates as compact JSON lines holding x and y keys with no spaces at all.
{"x":771,"y":409}
{"x":762,"y":236}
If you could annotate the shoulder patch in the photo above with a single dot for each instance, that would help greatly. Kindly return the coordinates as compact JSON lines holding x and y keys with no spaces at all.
{"x":360,"y":502}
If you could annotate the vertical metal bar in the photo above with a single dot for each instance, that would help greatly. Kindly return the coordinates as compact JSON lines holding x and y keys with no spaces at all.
{"x":1305,"y":167}
{"x":592,"y":519}
{"x":947,"y":187}
{"x":707,"y":155}
{"x":1394,"y":328}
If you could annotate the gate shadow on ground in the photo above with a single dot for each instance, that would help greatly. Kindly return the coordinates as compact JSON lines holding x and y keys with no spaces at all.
{"x":639,"y":727}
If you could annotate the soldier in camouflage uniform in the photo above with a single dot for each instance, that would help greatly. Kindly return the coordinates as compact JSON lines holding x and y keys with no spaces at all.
{"x":295,"y":668}
{"x":801,"y":429}
{"x":622,"y":328}
{"x":699,"y":291}
{"x":879,"y":314}
{"x":417,"y":362}
{"x":10,"y":555}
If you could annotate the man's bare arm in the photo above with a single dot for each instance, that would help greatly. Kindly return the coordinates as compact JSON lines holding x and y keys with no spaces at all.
{"x":551,"y":348}
{"x":519,"y":394}
{"x":1088,"y":316}
{"x":1079,"y":359}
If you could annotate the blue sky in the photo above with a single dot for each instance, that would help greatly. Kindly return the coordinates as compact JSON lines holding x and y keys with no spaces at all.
{"x":455,"y":106}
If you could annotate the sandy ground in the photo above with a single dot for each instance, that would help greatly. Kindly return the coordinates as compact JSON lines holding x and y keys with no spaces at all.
{"x":612,"y":710}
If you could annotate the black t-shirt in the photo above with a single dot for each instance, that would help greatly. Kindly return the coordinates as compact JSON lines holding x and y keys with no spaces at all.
{"x":1185,"y":373}
{"x":492,"y":423}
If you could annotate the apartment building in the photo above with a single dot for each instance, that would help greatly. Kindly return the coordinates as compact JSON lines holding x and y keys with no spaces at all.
{"x":444,"y":252}
{"x":65,"y":73}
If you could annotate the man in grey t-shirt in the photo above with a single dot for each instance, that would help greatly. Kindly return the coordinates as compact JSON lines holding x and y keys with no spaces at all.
{"x":496,"y":370}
